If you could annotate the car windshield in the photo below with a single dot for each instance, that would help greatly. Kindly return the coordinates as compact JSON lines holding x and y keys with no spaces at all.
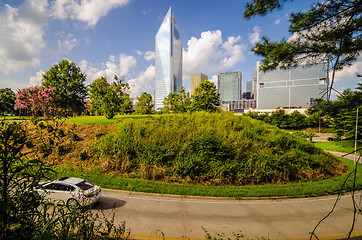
{"x":84,"y":185}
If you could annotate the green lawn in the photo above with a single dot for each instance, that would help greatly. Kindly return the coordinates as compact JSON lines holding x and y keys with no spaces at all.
{"x":329,"y":186}
{"x":15,"y":118}
{"x":99,"y":120}
{"x":346,"y":146}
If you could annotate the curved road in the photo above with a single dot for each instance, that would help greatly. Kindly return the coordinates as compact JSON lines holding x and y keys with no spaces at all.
{"x":179,"y":217}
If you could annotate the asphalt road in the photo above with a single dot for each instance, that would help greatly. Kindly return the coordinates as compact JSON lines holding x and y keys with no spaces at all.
{"x":182,"y":217}
{"x":149,"y":216}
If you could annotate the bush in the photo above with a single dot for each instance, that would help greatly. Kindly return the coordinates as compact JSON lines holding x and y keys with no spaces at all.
{"x":212,"y":148}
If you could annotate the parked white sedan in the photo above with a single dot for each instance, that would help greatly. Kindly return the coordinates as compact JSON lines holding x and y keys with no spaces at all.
{"x":70,"y":191}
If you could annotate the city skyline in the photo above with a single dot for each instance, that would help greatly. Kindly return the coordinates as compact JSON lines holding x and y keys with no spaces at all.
{"x":107,"y":38}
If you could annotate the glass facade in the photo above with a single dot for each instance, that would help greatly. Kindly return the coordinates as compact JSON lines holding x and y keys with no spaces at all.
{"x":229,"y":86}
{"x":168,"y":59}
{"x":293,"y":87}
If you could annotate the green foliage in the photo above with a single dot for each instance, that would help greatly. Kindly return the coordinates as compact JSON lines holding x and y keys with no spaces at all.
{"x":281,"y":119}
{"x":109,"y":98}
{"x":69,"y":91}
{"x":330,"y":186}
{"x":176,"y":102}
{"x":144,"y":104}
{"x":18,"y":206}
{"x":329,"y":31}
{"x":206,"y":97}
{"x":221,"y":236}
{"x":343,"y":112}
{"x":7,"y":101}
{"x":211,"y":148}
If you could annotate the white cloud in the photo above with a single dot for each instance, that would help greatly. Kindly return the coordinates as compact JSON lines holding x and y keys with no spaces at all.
{"x":277,"y":21}
{"x":144,"y":12}
{"x":149,"y":55}
{"x":21,"y":38}
{"x":139,"y":53}
{"x":349,"y":72}
{"x":143,"y":83}
{"x":255,"y":36}
{"x":88,"y":11}
{"x":114,"y":66}
{"x":37,"y":79}
{"x":68,"y":44}
{"x":210,"y":54}
{"x":214,"y":80}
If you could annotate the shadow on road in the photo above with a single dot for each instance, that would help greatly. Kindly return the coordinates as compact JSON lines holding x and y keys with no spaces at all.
{"x":109,"y":203}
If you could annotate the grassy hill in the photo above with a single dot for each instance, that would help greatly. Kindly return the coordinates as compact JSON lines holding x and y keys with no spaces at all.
{"x":211,"y":149}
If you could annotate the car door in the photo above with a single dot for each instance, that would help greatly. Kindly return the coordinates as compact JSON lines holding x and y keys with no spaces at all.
{"x":58,"y":192}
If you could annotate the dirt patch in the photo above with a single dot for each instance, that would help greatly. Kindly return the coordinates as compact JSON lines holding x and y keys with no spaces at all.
{"x":64,"y":144}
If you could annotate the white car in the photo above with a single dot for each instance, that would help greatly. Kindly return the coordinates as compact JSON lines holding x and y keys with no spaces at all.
{"x":70,"y":191}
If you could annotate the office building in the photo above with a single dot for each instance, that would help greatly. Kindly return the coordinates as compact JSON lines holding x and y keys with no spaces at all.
{"x":229,"y":86}
{"x":168,"y":59}
{"x":196,"y":79}
{"x":294,"y":87}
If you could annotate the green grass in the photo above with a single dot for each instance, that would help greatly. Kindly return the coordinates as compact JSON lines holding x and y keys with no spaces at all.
{"x":15,"y":118}
{"x":307,"y":189}
{"x":99,"y":120}
{"x":346,"y":146}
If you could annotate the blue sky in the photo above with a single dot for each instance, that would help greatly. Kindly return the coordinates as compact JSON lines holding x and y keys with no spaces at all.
{"x":107,"y":37}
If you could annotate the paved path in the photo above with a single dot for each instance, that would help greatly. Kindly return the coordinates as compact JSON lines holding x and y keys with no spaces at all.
{"x":179,"y":217}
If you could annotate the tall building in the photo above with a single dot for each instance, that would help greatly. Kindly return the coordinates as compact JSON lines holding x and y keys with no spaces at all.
{"x":294,"y":87}
{"x":168,"y":59}
{"x":229,"y":86}
{"x":196,"y":79}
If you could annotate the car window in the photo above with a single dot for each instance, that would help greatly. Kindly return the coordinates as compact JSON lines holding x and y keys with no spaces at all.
{"x":66,"y":187}
{"x":50,"y":186}
{"x":84,"y":185}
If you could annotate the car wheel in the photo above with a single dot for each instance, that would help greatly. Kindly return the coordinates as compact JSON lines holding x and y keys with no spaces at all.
{"x":72,"y":203}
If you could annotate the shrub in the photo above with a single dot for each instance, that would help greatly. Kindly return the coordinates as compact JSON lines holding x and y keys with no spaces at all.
{"x":212,"y":148}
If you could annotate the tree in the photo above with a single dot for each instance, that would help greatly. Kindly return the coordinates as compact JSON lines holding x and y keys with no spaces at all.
{"x":144,"y":104}
{"x":7,"y":100}
{"x":34,"y":100}
{"x":176,"y":102}
{"x":67,"y":82}
{"x":18,"y":174}
{"x":25,"y":216}
{"x":206,"y":97}
{"x":329,"y":31}
{"x":97,"y":91}
{"x":109,"y":98}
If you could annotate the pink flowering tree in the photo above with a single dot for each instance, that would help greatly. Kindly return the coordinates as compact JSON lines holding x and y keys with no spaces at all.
{"x":34,"y":100}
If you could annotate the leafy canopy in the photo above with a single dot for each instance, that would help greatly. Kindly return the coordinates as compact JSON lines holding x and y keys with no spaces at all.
{"x":176,"y":102}
{"x":329,"y":31}
{"x":109,"y":98}
{"x":206,"y":97}
{"x":7,"y":100}
{"x":144,"y":104}
{"x":67,"y":82}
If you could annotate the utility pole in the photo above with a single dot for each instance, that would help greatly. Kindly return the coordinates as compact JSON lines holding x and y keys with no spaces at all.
{"x":355,"y":140}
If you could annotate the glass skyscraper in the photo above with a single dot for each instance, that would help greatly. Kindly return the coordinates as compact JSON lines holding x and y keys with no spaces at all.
{"x":229,"y":86}
{"x":294,"y":87}
{"x":168,"y":59}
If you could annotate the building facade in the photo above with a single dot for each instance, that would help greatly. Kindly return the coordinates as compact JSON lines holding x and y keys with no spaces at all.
{"x":229,"y":86}
{"x":290,"y":88}
{"x":168,"y":60}
{"x":196,"y":79}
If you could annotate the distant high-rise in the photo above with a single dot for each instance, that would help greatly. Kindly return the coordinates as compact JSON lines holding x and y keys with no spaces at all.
{"x":295,"y":87}
{"x":229,"y":86}
{"x":196,"y":79}
{"x":168,"y":60}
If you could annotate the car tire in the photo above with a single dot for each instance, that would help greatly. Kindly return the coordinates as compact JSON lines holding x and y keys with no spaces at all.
{"x":72,"y":203}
